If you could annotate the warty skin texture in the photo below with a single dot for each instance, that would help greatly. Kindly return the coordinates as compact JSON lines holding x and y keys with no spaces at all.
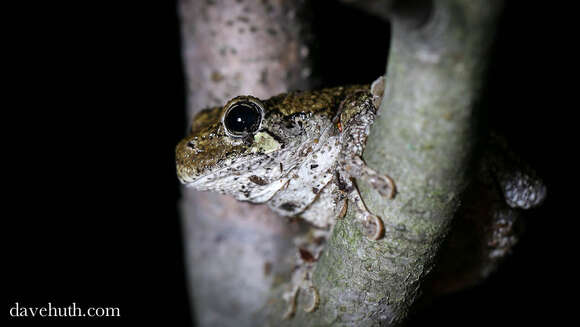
{"x":289,"y":161}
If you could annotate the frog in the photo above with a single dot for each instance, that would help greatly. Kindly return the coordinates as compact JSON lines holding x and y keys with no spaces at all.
{"x":299,"y":153}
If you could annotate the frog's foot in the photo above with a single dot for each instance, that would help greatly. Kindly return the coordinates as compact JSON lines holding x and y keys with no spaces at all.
{"x":315,"y":299}
{"x":290,"y":297}
{"x":309,"y":246}
{"x":373,"y":224}
{"x":377,"y":91}
{"x":313,"y":305}
{"x":384,"y":184}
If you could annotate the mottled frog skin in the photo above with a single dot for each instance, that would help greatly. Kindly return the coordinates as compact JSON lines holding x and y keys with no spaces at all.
{"x":297,"y":152}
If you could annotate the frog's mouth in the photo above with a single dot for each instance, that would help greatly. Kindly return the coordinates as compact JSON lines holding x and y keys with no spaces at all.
{"x":203,"y":174}
{"x":195,"y":165}
{"x":251,"y":180}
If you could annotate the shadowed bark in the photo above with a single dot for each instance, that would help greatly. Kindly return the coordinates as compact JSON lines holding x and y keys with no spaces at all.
{"x":240,"y":255}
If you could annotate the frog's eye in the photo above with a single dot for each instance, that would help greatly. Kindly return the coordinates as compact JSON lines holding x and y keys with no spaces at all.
{"x":242,"y":116}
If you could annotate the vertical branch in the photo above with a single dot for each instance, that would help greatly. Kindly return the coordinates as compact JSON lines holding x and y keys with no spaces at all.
{"x":236,"y":253}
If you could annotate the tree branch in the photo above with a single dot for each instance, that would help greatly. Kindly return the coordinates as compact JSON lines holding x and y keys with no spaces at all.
{"x":424,"y":139}
{"x":237,"y":252}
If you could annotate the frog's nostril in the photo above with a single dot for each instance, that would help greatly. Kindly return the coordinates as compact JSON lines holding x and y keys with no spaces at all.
{"x":190,"y":145}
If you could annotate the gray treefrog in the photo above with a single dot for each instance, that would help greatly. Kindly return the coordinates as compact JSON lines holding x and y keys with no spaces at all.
{"x":296,"y":152}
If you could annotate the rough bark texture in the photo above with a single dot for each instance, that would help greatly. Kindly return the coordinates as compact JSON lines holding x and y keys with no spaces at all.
{"x":423,"y":138}
{"x":240,"y":255}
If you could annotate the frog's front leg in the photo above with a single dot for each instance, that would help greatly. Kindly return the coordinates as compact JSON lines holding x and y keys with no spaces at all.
{"x":356,"y":167}
{"x":309,"y":251}
{"x":373,"y":224}
{"x":292,"y":297}
{"x":357,"y":114}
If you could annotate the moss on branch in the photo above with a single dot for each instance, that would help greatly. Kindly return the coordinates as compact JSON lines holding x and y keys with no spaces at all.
{"x":424,"y":138}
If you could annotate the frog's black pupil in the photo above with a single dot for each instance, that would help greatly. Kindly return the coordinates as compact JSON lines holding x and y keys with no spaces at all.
{"x":243,"y":118}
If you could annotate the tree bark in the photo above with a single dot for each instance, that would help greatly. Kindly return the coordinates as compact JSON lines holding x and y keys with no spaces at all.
{"x":424,"y":139}
{"x":240,"y":255}
{"x":236,"y":253}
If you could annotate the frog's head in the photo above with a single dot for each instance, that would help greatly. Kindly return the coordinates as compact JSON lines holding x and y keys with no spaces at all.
{"x":232,"y":150}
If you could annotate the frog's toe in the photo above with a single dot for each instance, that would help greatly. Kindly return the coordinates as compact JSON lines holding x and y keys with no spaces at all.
{"x":343,"y":209}
{"x":374,"y":227}
{"x":291,"y":305}
{"x":315,"y":300}
{"x":384,"y":184}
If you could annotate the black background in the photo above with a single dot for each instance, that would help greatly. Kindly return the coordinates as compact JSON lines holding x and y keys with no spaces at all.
{"x":96,"y":105}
